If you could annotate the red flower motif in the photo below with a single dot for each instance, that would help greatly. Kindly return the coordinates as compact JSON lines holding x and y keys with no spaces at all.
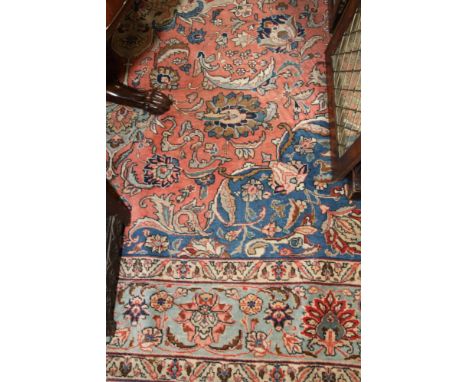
{"x":278,"y":270}
{"x":285,"y":252}
{"x":174,"y":369}
{"x":119,"y":117}
{"x":204,"y":319}
{"x":330,"y":323}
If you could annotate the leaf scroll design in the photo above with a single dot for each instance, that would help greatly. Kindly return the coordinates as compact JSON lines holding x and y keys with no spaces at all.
{"x":228,"y":202}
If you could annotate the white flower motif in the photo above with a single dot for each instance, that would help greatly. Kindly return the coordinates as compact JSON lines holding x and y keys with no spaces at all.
{"x":242,"y":9}
{"x":243,"y":39}
{"x":204,"y":247}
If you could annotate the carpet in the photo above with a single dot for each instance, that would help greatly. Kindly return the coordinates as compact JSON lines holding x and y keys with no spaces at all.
{"x":242,"y":260}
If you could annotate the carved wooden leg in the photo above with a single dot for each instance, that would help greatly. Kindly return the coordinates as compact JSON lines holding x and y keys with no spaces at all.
{"x":150,"y":100}
{"x":117,"y":217}
{"x":355,"y":187}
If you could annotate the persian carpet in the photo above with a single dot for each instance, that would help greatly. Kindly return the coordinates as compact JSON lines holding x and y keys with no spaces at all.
{"x":242,"y":260}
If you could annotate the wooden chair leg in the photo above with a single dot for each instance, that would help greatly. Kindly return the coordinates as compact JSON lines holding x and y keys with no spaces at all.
{"x":152,"y":101}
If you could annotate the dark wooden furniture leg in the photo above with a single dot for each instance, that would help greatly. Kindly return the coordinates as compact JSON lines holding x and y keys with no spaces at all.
{"x":355,"y":186}
{"x":117,"y":217}
{"x":152,"y":101}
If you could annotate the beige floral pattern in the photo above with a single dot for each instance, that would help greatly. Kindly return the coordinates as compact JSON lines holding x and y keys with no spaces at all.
{"x":161,"y":301}
{"x":157,"y":243}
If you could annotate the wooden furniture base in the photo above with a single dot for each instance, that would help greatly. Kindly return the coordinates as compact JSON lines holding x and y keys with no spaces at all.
{"x":343,"y":62}
{"x":152,"y":101}
{"x":117,"y":217}
{"x":355,"y":187}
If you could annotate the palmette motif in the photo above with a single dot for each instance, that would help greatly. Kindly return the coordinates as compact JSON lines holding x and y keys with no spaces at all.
{"x":241,"y":262}
{"x":283,"y":322}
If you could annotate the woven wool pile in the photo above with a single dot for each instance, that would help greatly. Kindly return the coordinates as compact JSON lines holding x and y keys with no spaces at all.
{"x":242,"y":260}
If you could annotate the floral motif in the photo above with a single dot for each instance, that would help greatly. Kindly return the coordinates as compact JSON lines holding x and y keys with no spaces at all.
{"x":229,"y":239}
{"x":185,"y":68}
{"x":133,"y":35}
{"x":292,"y":343}
{"x":320,"y":184}
{"x":330,"y":323}
{"x":277,"y":374}
{"x":157,"y":243}
{"x":197,"y":36}
{"x":164,"y":77}
{"x":204,"y":319}
{"x":250,"y":304}
{"x":224,"y":373}
{"x":169,"y":10}
{"x":204,"y":248}
{"x":232,"y":235}
{"x":252,"y":190}
{"x":233,"y":116}
{"x":161,"y":301}
{"x":278,"y":313}
{"x":228,"y":68}
{"x":278,"y":270}
{"x":242,"y":9}
{"x":339,"y":191}
{"x":136,"y":309}
{"x":183,"y":270}
{"x":119,"y":118}
{"x":271,"y":229}
{"x":280,"y":33}
{"x":150,"y":337}
{"x":305,"y":145}
{"x":120,"y":337}
{"x":288,"y":177}
{"x":125,"y":367}
{"x":257,"y":343}
{"x":285,"y":252}
{"x":243,"y":39}
{"x":174,"y":369}
{"x":161,"y":171}
{"x":342,"y":230}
